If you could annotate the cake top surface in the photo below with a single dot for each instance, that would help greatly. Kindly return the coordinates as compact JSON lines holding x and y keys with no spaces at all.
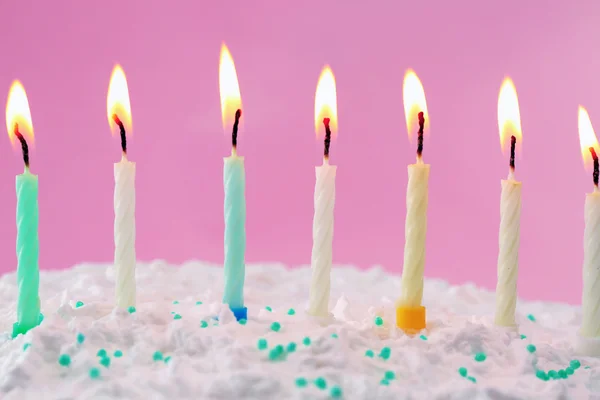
{"x":181,"y":342}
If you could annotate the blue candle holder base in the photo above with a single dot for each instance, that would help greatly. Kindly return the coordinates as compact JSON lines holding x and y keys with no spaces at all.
{"x":240,"y":312}
{"x":19,"y":329}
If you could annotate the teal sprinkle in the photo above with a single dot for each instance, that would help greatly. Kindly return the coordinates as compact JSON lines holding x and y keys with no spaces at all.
{"x":276,"y":352}
{"x":172,"y":312}
{"x":472,"y":379}
{"x":575,"y":364}
{"x":26,"y":346}
{"x":531,"y":348}
{"x":64,"y":360}
{"x":552,"y":374}
{"x":480,"y":357}
{"x":423,"y":337}
{"x":390,"y":375}
{"x":80,"y":338}
{"x":242,"y":321}
{"x":101,"y":353}
{"x":541,"y":375}
{"x":306,"y":341}
{"x":321,"y":383}
{"x":336,"y":392}
{"x":198,"y":303}
{"x":175,"y":302}
{"x":378,"y":321}
{"x":531,"y":317}
{"x":385,"y":353}
{"x":203,"y":324}
{"x":291,"y":347}
{"x":562,"y":373}
{"x":384,"y":382}
{"x":275,"y":326}
{"x":157,"y":356}
{"x":587,"y":367}
{"x":262,"y":344}
{"x":334,"y":335}
{"x":176,"y":316}
{"x":131,"y":309}
{"x":463,"y":372}
{"x":523,"y":337}
{"x":291,"y":311}
{"x":301,"y":382}
{"x":167,"y":359}
{"x":105,"y":361}
{"x":79,"y":304}
{"x":118,"y":353}
{"x":269,"y":309}
{"x":369,"y":353}
{"x":94,"y":373}
{"x":569,"y":371}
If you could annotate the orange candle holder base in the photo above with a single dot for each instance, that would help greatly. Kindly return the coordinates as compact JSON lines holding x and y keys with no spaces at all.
{"x":410,"y":319}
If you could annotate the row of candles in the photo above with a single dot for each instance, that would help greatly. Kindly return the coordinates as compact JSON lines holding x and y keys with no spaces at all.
{"x":410,"y":313}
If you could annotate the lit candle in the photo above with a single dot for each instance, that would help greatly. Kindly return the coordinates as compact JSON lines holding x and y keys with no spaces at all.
{"x":590,"y":323}
{"x":234,"y":181}
{"x":410,"y":313}
{"x":20,"y":130}
{"x":509,"y":123}
{"x":325,"y":125}
{"x":119,"y":120}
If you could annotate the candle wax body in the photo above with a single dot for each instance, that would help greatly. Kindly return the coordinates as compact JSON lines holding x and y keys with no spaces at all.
{"x":234,"y":181}
{"x":125,"y":233}
{"x":508,"y":254}
{"x":28,"y":274}
{"x":417,"y":196}
{"x":590,"y":324}
{"x":322,"y":241}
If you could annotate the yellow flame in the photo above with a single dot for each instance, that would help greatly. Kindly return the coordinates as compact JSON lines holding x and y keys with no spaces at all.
{"x":117,"y":101}
{"x":413,"y":95}
{"x":587,"y":137}
{"x":17,"y":112}
{"x":509,"y":116}
{"x":231,"y":99}
{"x":326,"y":103}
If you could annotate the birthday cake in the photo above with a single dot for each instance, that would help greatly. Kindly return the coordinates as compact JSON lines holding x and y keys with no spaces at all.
{"x":181,"y":342}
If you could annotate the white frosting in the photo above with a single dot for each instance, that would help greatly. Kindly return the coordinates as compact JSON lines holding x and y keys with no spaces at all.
{"x":125,"y":233}
{"x":223,"y":362}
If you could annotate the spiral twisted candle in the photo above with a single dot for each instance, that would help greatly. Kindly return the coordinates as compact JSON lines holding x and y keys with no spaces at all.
{"x":590,"y":324}
{"x":124,"y":201}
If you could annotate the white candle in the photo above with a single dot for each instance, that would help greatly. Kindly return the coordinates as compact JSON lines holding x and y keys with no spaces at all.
{"x":124,"y":201}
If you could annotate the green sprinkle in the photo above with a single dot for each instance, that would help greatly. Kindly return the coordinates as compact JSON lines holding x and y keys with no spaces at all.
{"x":562,"y":373}
{"x":26,"y":346}
{"x":203,"y":324}
{"x":262,"y":344}
{"x":176,"y":316}
{"x":242,"y":321}
{"x":79,"y":304}
{"x":334,"y":335}
{"x":575,"y":364}
{"x":531,"y":348}
{"x":64,"y":360}
{"x":80,"y":338}
{"x":378,"y":321}
{"x":306,"y":341}
{"x":291,"y":347}
{"x":523,"y":337}
{"x":423,"y":337}
{"x":105,"y":361}
{"x":167,"y":359}
{"x":198,"y":303}
{"x":301,"y":382}
{"x":463,"y":372}
{"x":291,"y":311}
{"x":385,"y":353}
{"x":480,"y":357}
{"x":541,"y":375}
{"x":390,"y":375}
{"x":269,"y":309}
{"x":131,"y":309}
{"x":118,"y":353}
{"x":531,"y":317}
{"x":552,"y":374}
{"x":384,"y":382}
{"x":369,"y":353}
{"x":94,"y":373}
{"x":157,"y":356}
{"x":172,"y":312}
{"x":569,"y":371}
{"x":101,"y":353}
{"x":276,"y":352}
{"x":472,"y":379}
{"x":336,"y":392}
{"x":587,"y":367}
{"x":175,"y":302}
{"x":275,"y":326}
{"x":321,"y":383}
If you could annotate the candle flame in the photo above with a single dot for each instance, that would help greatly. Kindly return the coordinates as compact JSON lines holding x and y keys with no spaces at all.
{"x":231,"y":99}
{"x":326,"y":103}
{"x":587,"y":137}
{"x":413,"y":95}
{"x":117,"y":101}
{"x":509,"y":117}
{"x":17,"y":112}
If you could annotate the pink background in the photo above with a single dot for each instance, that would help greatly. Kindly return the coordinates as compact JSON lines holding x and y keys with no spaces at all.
{"x":63,"y":52}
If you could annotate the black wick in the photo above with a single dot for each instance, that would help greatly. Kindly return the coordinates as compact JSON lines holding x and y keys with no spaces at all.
{"x":24,"y":146}
{"x":595,"y":157}
{"x":234,"y":133}
{"x":420,"y":134}
{"x":327,"y":138}
{"x":123,"y":136}
{"x":513,"y":143}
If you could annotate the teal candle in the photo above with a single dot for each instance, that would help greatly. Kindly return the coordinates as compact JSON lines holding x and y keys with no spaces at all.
{"x":234,"y":179}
